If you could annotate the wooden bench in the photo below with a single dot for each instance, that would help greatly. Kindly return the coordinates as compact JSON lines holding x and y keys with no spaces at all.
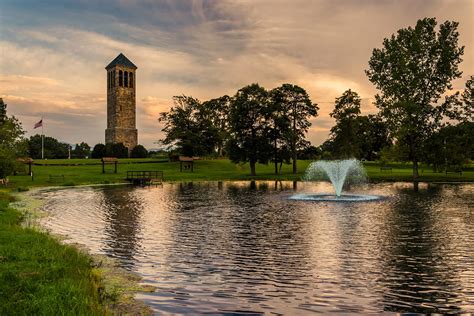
{"x":54,"y":177}
{"x":109,"y":160}
{"x":145,"y":177}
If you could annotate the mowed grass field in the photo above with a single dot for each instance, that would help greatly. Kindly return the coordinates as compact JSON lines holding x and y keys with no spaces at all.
{"x":89,"y":171}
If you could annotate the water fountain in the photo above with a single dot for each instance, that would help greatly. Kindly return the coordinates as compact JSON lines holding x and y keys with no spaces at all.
{"x":339,"y":173}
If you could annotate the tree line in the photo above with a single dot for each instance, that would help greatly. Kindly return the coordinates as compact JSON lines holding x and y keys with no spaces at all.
{"x":255,"y":125}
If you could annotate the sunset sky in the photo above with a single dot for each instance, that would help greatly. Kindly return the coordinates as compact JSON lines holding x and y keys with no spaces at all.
{"x":53,"y":54}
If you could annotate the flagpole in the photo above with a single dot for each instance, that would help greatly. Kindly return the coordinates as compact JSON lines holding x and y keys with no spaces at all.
{"x":42,"y":140}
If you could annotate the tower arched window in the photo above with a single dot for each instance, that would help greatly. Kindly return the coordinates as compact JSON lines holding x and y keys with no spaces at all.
{"x":125,"y":79}
{"x":131,"y":80}
{"x":120,"y":78}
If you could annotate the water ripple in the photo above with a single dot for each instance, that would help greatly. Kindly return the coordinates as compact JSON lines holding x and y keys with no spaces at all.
{"x":234,"y":248}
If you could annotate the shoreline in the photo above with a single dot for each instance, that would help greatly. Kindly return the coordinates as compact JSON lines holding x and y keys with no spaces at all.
{"x":114,"y":287}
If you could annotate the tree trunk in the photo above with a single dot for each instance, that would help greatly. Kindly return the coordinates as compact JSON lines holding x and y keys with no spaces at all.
{"x":415,"y":175}
{"x":295,"y":169}
{"x":252,"y":168}
{"x":294,"y":141}
{"x":415,"y":170}
{"x":275,"y":157}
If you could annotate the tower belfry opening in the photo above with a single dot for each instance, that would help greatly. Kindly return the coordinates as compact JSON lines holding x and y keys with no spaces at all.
{"x":121,"y":102}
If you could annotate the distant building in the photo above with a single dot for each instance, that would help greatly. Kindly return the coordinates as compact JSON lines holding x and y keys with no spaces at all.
{"x":121,"y":104}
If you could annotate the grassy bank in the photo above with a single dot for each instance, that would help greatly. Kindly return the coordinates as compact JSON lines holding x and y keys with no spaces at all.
{"x":88,"y":171}
{"x":40,"y":276}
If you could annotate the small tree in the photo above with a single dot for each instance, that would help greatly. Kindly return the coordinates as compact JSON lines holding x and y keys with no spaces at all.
{"x":99,"y":151}
{"x":139,"y":152}
{"x":413,"y":70}
{"x":117,"y":150}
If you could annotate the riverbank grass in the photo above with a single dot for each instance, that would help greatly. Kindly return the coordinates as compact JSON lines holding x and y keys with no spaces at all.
{"x":40,"y":276}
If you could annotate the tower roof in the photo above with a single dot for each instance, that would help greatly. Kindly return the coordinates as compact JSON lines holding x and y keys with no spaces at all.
{"x":121,"y":60}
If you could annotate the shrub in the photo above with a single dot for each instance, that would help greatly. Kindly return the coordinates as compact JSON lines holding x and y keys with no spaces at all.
{"x":98,"y":151}
{"x":139,"y":152}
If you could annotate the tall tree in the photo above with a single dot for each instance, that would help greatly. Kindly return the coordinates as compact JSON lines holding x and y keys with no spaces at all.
{"x":344,"y":133}
{"x":413,"y":70}
{"x":249,"y":140}
{"x":214,"y":115}
{"x":299,"y":109}
{"x":279,"y":125}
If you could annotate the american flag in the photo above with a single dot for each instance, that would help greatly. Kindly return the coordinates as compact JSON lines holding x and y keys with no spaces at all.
{"x":39,"y":124}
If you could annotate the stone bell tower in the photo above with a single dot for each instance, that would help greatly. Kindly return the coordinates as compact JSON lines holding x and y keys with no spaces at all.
{"x":121,"y":106}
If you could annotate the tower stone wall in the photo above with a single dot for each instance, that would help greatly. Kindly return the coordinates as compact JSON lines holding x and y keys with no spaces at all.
{"x":121,"y":103}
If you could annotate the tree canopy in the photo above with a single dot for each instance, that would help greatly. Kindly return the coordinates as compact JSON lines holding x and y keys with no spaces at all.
{"x":249,"y":127}
{"x":413,"y":70}
{"x":189,"y":126}
{"x":297,"y":105}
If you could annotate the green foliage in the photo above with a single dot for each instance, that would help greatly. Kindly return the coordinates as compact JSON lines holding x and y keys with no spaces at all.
{"x":310,"y":153}
{"x":413,"y":70}
{"x":249,"y":127}
{"x":81,"y":150}
{"x":139,"y":152}
{"x":344,"y":134}
{"x":295,"y":103}
{"x":371,"y":137}
{"x":53,"y":149}
{"x":468,"y":99}
{"x":12,"y":143}
{"x":214,"y":114}
{"x":7,"y":163}
{"x":3,"y":111}
{"x":99,"y":151}
{"x":117,"y":150}
{"x":195,"y":128}
{"x":450,"y":146}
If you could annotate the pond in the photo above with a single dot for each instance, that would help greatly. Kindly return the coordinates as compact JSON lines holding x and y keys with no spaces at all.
{"x":244,"y":247}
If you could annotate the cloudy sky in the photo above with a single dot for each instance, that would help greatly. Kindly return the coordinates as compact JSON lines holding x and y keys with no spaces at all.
{"x":53,"y":53}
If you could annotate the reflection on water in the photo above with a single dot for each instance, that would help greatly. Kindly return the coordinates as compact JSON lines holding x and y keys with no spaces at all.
{"x":234,"y":247}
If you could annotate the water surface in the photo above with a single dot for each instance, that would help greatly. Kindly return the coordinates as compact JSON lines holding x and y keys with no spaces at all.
{"x":235,"y":247}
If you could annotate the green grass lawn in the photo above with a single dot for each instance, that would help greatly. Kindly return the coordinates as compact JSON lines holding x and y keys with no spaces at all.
{"x":38,"y":275}
{"x":88,"y":171}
